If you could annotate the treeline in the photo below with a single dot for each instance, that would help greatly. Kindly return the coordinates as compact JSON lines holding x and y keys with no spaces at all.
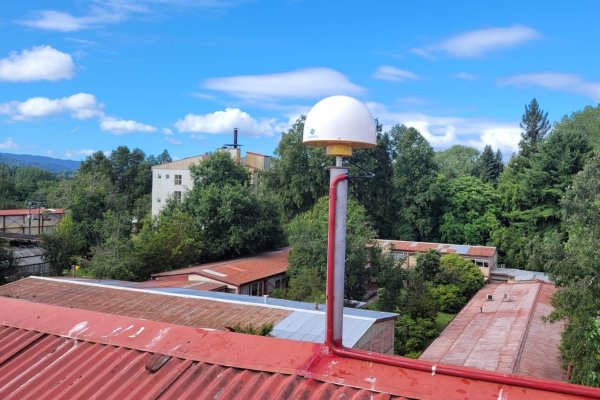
{"x":20,"y":186}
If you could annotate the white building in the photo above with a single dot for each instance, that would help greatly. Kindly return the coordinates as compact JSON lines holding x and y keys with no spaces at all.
{"x":173,"y":180}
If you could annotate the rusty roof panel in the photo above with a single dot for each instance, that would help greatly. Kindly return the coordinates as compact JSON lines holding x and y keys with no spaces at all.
{"x":238,"y":271}
{"x":153,"y":306}
{"x":503,"y":336}
{"x":33,"y":211}
{"x":444,"y":248}
{"x":85,"y":354}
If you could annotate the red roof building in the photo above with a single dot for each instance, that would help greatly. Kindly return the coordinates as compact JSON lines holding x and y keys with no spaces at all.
{"x":502,"y":329}
{"x":255,"y":275}
{"x":54,"y":352}
{"x":30,"y":222}
{"x":485,"y":257}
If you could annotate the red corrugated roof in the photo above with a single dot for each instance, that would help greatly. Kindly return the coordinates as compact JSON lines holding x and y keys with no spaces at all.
{"x":208,"y":286}
{"x":239,"y":271}
{"x":508,"y":336}
{"x":63,"y":353}
{"x":444,"y":248}
{"x":33,"y":211}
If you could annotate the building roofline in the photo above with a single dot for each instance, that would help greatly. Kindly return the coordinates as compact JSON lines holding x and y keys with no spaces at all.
{"x":249,"y":352}
{"x":206,"y":297}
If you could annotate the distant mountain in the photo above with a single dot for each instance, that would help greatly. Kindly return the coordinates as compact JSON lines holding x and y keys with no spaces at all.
{"x":55,"y":165}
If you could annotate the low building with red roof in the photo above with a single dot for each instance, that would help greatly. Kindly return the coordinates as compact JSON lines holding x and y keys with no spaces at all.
{"x":255,"y":275}
{"x":502,"y":329}
{"x":485,"y":257}
{"x":57,"y":352}
{"x":29,"y":222}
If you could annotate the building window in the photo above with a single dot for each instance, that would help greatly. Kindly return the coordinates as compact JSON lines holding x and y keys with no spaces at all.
{"x":178,"y":179}
{"x":158,"y":200}
{"x":255,"y":289}
{"x":177,"y":195}
{"x":159,"y":176}
{"x":167,"y":176}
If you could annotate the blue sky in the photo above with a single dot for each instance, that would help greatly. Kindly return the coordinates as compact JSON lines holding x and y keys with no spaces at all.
{"x":81,"y":76}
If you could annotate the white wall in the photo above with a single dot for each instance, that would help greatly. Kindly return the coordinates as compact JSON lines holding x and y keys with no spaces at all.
{"x":163,"y":187}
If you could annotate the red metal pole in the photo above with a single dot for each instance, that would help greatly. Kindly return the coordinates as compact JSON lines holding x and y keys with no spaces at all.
{"x":419,"y":365}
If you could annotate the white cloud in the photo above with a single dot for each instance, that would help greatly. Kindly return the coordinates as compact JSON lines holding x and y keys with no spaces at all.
{"x":167,"y":131}
{"x":465,"y":76}
{"x":557,"y":81}
{"x":303,"y":83}
{"x":36,"y":64}
{"x":80,"y":106}
{"x":78,"y":153}
{"x":108,"y":12}
{"x":172,"y":140}
{"x":443,"y":132}
{"x":388,"y":73}
{"x":478,"y":43}
{"x":123,"y":127}
{"x":223,"y":122}
{"x":8,"y":143}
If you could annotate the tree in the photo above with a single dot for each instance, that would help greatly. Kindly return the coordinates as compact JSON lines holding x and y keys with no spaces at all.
{"x":458,"y":161}
{"x":307,"y":235}
{"x":298,"y":174}
{"x":428,"y":264}
{"x":535,"y":126}
{"x":576,"y":274}
{"x":63,"y":244}
{"x":8,"y":265}
{"x":490,"y":165}
{"x":415,"y":180}
{"x":470,"y":213}
{"x":377,"y":195}
{"x":219,"y":170}
{"x":460,"y":272}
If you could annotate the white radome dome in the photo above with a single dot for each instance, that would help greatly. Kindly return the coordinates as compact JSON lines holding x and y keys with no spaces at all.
{"x":340,"y":120}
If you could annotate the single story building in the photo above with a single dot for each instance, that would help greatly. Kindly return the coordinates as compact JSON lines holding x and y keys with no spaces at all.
{"x":255,"y":275}
{"x":502,"y":329}
{"x":485,"y":257}
{"x":31,"y":222}
{"x":363,"y":329}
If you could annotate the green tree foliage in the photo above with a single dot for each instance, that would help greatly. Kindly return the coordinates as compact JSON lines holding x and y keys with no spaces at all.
{"x":576,"y":273}
{"x":428,"y":264}
{"x":377,"y":195}
{"x":298,"y":174}
{"x":535,"y":126}
{"x":458,"y":161}
{"x":21,"y":184}
{"x":260,"y":330}
{"x":307,"y":235}
{"x":470,"y":213}
{"x":418,"y":192}
{"x":455,"y":270}
{"x":8,"y":264}
{"x":530,"y":190}
{"x":63,"y":244}
{"x":490,"y":165}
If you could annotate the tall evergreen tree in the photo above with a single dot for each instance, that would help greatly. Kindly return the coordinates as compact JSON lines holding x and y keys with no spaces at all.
{"x":535,"y":126}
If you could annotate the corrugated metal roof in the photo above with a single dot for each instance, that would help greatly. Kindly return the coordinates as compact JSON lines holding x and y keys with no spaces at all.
{"x":507,"y":336}
{"x":33,"y":211}
{"x":238,"y":271}
{"x":215,"y":310}
{"x":50,"y":352}
{"x":444,"y":248}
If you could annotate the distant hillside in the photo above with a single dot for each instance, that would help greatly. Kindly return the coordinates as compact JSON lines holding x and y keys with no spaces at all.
{"x":48,"y":163}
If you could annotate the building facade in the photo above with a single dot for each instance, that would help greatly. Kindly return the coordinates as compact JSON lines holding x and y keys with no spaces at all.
{"x":485,"y":257}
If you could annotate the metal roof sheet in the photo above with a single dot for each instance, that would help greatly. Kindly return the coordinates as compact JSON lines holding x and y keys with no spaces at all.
{"x":33,"y":211}
{"x":401,"y":245}
{"x":64,"y":353}
{"x":238,"y":271}
{"x":197,"y":308}
{"x":503,"y":336}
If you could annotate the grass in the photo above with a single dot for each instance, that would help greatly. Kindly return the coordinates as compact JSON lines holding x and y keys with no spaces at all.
{"x":442,"y":320}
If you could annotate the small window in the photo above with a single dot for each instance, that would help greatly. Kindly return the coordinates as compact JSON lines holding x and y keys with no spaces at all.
{"x":158,"y":200}
{"x":159,"y":176}
{"x":167,"y":176}
{"x":178,"y":179}
{"x":177,"y":195}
